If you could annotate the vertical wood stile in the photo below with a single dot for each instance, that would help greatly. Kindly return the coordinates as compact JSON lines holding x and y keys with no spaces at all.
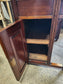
{"x":54,"y":25}
{"x":15,"y":9}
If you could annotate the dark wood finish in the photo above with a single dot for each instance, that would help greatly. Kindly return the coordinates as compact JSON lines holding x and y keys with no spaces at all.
{"x":13,"y":43}
{"x":13,"y":37}
{"x":35,"y":8}
{"x":61,"y":8}
{"x":54,"y":26}
{"x":58,"y":30}
{"x":24,"y":41}
{"x":15,"y":9}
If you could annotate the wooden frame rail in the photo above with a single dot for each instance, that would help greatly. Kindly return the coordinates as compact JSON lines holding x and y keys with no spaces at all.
{"x":45,"y":63}
{"x":54,"y":25}
{"x":39,"y":17}
{"x":36,"y":17}
{"x":37,"y":41}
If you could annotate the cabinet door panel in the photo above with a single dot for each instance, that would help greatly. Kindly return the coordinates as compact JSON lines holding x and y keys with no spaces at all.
{"x":13,"y":43}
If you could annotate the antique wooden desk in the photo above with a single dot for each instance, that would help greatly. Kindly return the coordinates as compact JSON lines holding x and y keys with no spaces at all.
{"x":30,"y":38}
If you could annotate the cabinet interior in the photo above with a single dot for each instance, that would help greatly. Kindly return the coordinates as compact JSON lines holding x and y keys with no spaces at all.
{"x":37,"y":33}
